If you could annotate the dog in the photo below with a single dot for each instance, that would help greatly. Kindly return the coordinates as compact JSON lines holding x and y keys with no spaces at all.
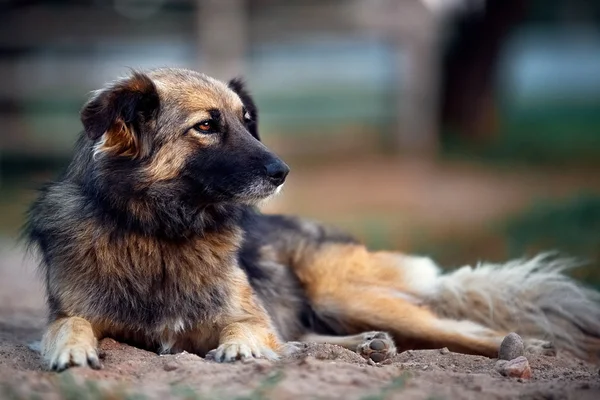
{"x":152,"y":236}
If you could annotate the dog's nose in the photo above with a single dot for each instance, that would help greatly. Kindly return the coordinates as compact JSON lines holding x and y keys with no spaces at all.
{"x":277,"y":171}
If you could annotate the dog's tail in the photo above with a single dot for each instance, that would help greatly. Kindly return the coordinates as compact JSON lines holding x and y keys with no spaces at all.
{"x":532,"y":297}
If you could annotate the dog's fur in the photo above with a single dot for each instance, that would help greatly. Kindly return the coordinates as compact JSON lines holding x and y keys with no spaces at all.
{"x":151,"y":237}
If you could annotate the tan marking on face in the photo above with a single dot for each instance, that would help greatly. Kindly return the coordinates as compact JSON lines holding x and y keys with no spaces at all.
{"x":192,"y":92}
{"x":169,"y":160}
{"x":188,"y":97}
{"x":203,"y":138}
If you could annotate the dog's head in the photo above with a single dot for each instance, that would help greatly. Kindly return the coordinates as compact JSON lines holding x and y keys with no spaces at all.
{"x":176,"y":132}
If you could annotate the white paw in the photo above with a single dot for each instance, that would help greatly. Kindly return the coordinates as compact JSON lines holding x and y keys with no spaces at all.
{"x":74,"y":355}
{"x":229,"y":352}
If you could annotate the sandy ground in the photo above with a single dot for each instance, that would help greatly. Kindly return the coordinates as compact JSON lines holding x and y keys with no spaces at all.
{"x":318,"y":371}
{"x":440,"y":197}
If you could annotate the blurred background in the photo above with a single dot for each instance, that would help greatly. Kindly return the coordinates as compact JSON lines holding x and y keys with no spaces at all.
{"x":465,"y":129}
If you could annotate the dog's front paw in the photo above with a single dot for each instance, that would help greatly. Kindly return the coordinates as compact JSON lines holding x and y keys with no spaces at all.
{"x":74,"y":355}
{"x":377,"y":346}
{"x":229,"y":352}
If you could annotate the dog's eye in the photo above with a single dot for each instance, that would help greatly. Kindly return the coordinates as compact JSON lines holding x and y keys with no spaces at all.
{"x":205,"y":126}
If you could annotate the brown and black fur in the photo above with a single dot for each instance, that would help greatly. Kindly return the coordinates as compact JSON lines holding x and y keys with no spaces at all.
{"x":151,"y":236}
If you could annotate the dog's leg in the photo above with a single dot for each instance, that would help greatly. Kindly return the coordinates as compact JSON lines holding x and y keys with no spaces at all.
{"x":70,"y":342}
{"x":361,"y":291}
{"x":377,"y":346}
{"x":407,"y":322}
{"x":249,"y":332}
{"x":246,"y":339}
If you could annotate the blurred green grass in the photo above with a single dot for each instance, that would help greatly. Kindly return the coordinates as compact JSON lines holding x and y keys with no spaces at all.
{"x":550,"y":135}
{"x":570,"y":227}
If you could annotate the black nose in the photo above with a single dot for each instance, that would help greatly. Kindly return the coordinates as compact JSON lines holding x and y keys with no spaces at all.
{"x":277,"y":171}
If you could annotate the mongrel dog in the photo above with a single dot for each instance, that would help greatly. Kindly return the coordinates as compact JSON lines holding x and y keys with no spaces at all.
{"x":151,"y":237}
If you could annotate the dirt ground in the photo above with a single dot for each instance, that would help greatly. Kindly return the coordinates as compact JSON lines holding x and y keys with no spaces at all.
{"x":315,"y":372}
{"x":443,"y":198}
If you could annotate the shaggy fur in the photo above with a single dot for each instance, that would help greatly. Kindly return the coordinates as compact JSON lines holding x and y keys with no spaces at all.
{"x":530,"y":296}
{"x":151,"y":237}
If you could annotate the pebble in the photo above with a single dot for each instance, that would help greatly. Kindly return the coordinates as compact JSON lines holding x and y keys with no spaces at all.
{"x":261,"y":365}
{"x":511,"y":347}
{"x":444,"y":350}
{"x":170,"y":366}
{"x":308,"y":360}
{"x":517,"y":368}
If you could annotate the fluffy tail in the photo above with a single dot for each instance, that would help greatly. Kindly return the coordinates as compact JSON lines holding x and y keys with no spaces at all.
{"x":531,"y":297}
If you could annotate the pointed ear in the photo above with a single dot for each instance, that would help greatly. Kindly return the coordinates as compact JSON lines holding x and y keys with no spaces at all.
{"x":238,"y":86}
{"x":118,"y":113}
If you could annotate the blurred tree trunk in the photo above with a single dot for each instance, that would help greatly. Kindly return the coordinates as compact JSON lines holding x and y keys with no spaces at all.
{"x":222,"y":37}
{"x":468,"y":96}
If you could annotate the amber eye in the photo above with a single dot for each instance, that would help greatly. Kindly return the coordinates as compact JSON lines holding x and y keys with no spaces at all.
{"x":204,"y":126}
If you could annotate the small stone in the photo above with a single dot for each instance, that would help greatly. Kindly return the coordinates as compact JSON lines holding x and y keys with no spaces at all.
{"x":261,"y":365}
{"x":41,"y":387}
{"x":517,"y":368}
{"x":425,"y":367}
{"x":308,"y":360}
{"x":255,"y":361}
{"x":511,"y":347}
{"x":170,"y":366}
{"x":444,"y":350}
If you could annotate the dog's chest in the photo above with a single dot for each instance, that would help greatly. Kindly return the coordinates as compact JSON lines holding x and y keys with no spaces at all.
{"x":155,"y":286}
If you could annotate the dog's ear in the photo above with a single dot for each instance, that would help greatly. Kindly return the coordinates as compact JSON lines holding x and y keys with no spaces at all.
{"x":119,"y":111}
{"x":238,"y":86}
